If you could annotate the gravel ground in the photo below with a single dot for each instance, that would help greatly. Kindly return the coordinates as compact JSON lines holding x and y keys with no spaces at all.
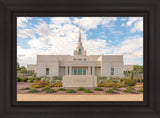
{"x":21,"y":85}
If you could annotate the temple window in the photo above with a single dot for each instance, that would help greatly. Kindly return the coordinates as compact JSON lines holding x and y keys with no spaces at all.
{"x":79,"y":51}
{"x":112,"y":70}
{"x":47,"y":71}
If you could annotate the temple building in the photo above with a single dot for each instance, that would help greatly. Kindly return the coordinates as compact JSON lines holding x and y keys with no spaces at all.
{"x":78,"y":64}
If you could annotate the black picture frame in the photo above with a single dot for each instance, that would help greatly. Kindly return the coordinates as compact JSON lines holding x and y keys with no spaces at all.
{"x":148,"y":9}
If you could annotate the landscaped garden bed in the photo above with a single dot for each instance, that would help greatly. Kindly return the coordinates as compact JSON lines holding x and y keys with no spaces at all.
{"x":54,"y":86}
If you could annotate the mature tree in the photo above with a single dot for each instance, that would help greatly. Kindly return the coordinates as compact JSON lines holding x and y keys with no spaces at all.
{"x":18,"y":67}
{"x":138,"y":69}
{"x":23,"y":70}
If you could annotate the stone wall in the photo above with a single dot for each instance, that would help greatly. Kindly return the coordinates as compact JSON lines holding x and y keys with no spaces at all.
{"x":115,"y":61}
{"x":72,"y":81}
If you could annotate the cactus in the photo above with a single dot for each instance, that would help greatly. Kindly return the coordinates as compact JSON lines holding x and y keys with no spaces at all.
{"x":131,"y":75}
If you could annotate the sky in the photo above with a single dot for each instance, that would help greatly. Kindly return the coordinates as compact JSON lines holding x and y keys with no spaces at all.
{"x":100,"y":36}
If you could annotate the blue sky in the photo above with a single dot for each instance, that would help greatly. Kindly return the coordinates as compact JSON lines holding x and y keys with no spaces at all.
{"x":100,"y":35}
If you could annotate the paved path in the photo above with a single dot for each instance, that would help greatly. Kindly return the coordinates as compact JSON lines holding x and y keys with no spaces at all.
{"x":52,"y":97}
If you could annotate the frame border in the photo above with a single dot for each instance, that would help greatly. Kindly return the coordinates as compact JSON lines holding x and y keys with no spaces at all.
{"x":9,"y":9}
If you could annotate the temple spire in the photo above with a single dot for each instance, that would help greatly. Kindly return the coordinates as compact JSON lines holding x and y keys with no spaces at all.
{"x":79,"y":35}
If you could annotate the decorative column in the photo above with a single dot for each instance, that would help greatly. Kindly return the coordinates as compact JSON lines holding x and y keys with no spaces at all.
{"x":89,"y":70}
{"x":93,"y":70}
{"x":70,"y":70}
{"x":66,"y":70}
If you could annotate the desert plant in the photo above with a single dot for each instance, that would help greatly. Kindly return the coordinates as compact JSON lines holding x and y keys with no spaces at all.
{"x":50,"y":90}
{"x":80,"y":89}
{"x":98,"y":89}
{"x":121,"y":80}
{"x":140,"y":90}
{"x":129,"y":82}
{"x":101,"y":85}
{"x":88,"y":91}
{"x":45,"y":88}
{"x":57,"y":85}
{"x":37,"y":79}
{"x":33,"y":91}
{"x":110,"y":91}
{"x":115,"y":89}
{"x":70,"y":91}
{"x":36,"y":86}
{"x":25,"y":88}
{"x":131,"y":75}
{"x":31,"y":80}
{"x":115,"y":85}
{"x":61,"y":89}
{"x":129,"y":90}
{"x":42,"y":83}
{"x":19,"y":79}
{"x":24,"y":79}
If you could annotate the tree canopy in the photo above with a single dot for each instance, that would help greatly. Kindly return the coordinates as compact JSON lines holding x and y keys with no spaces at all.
{"x":138,"y":69}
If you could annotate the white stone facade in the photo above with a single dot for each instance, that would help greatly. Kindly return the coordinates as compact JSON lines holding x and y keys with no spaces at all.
{"x":87,"y":81}
{"x":80,"y":63}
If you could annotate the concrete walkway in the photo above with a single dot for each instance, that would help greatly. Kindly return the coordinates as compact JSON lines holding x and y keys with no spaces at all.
{"x":52,"y":97}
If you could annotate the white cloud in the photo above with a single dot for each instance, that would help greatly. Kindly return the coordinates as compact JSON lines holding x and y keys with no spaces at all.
{"x":92,"y":22}
{"x":60,"y":37}
{"x":21,"y":21}
{"x":130,"y":48}
{"x":25,"y":33}
{"x":136,"y":23}
{"x":122,"y":24}
{"x":60,"y":20}
{"x":123,"y":19}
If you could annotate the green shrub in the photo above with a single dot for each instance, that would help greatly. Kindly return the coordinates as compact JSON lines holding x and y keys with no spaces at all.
{"x":115,"y":85}
{"x":37,"y":79}
{"x":101,"y":85}
{"x":88,"y":91}
{"x":61,"y":89}
{"x":121,"y":80}
{"x":42,"y":83}
{"x":50,"y":91}
{"x":80,"y":89}
{"x":110,"y":91}
{"x":33,"y":91}
{"x":19,"y":79}
{"x":31,"y":80}
{"x":36,"y":86}
{"x":115,"y":89}
{"x":45,"y":88}
{"x":57,"y":77}
{"x":24,"y":79}
{"x":98,"y":89}
{"x":129,"y":90}
{"x":26,"y":88}
{"x":70,"y":91}
{"x":140,"y":90}
{"x":57,"y":85}
{"x":129,"y":82}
